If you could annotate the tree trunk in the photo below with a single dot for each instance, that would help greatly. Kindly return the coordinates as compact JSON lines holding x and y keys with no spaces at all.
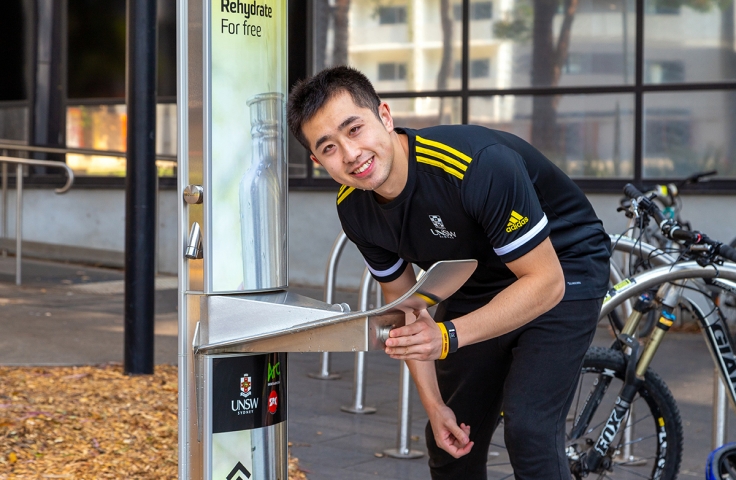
{"x":445,"y":114}
{"x":544,"y":114}
{"x":547,"y":62}
{"x":321,"y":21}
{"x":341,"y":16}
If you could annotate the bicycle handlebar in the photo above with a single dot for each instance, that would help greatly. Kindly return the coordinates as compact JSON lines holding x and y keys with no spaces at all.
{"x":673,"y":230}
{"x":726,"y":251}
{"x":634,"y":193}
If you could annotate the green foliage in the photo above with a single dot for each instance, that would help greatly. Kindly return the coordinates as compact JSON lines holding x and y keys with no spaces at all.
{"x":518,"y":26}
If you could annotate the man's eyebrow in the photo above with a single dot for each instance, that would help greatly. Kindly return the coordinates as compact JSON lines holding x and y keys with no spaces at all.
{"x":344,"y":124}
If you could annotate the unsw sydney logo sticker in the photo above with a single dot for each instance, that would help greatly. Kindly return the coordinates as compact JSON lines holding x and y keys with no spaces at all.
{"x":439,"y":229}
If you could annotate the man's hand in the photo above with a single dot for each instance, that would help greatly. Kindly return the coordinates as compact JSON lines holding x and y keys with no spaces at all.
{"x":448,"y":435}
{"x":419,"y":339}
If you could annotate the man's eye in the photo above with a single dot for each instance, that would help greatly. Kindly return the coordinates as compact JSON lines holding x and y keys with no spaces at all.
{"x":328,"y":149}
{"x":355,"y":129}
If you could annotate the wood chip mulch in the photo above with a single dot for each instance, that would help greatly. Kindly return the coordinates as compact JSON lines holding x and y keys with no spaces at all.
{"x":90,"y":423}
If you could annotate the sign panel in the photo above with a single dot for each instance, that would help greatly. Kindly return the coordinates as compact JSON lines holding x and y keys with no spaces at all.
{"x":248,"y":164}
{"x":248,"y":394}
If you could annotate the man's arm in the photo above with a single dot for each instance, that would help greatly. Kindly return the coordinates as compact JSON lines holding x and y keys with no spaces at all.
{"x":540,"y":285}
{"x":448,"y":435}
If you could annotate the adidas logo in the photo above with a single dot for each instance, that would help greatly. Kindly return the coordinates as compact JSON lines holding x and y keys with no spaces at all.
{"x":516,"y":221}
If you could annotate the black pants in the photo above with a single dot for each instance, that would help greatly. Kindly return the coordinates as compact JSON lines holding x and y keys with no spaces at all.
{"x":532,"y":372}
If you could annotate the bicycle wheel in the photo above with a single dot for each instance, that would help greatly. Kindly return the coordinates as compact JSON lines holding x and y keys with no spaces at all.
{"x":649,"y":442}
{"x":721,"y":463}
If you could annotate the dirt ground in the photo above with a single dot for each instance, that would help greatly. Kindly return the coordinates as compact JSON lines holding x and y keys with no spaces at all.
{"x":90,"y":422}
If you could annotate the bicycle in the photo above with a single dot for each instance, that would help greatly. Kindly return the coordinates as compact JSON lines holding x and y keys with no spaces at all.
{"x":650,"y":247}
{"x":607,"y":442}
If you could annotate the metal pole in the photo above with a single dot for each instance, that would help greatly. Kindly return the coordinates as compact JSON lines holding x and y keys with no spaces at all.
{"x":720,"y":411}
{"x":403,"y":437}
{"x":140,"y":187}
{"x":5,"y":203}
{"x":18,"y":220}
{"x":330,"y":274}
{"x":358,"y":405}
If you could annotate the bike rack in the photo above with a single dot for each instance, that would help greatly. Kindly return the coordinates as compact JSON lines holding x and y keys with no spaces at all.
{"x":358,"y":405}
{"x":330,"y":274}
{"x":19,"y":162}
{"x":403,"y":435}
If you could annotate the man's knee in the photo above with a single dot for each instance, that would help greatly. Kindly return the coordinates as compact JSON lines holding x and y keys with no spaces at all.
{"x":527,"y":432}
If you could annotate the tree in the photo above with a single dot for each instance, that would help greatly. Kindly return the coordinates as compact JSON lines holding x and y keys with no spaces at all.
{"x":445,"y":114}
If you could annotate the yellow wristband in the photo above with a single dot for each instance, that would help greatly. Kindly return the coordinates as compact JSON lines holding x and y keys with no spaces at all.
{"x":445,"y":341}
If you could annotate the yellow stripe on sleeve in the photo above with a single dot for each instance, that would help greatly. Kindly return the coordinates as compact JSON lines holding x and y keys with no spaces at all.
{"x":444,"y":157}
{"x":441,"y":165}
{"x":444,"y":147}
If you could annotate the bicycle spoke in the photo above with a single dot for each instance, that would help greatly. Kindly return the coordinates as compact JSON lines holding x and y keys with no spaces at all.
{"x":634,"y":473}
{"x":640,"y":439}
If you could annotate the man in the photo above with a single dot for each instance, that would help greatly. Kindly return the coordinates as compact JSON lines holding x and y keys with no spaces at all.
{"x":525,"y":318}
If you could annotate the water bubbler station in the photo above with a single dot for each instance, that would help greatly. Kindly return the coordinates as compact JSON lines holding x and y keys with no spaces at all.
{"x":237,"y":320}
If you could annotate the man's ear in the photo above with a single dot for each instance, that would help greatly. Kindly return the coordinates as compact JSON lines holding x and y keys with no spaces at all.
{"x":384,"y":113}
{"x":314,"y":159}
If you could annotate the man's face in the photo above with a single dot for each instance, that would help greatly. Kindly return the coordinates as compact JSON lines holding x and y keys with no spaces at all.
{"x":351,"y":143}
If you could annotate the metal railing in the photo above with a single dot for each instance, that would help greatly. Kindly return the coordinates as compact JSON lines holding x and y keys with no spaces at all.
{"x":76,"y":151}
{"x":5,"y":146}
{"x":19,"y":162}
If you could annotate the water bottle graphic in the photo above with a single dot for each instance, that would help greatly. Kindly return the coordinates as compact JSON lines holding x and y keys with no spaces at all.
{"x":263,"y":191}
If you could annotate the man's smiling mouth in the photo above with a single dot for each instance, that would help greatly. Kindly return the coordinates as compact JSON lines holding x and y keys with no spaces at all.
{"x":363,"y":167}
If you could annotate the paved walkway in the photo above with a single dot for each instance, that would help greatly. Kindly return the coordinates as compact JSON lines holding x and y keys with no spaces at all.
{"x":70,"y":314}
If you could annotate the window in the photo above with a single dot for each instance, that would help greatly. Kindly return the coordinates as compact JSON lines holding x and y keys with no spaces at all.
{"x":391,"y":15}
{"x":391,"y":71}
{"x":663,"y":7}
{"x":594,"y":97}
{"x":14,"y":17}
{"x":478,"y":11}
{"x":665,"y":136}
{"x":593,"y":63}
{"x":665,"y":72}
{"x":481,"y":11}
{"x":480,"y":68}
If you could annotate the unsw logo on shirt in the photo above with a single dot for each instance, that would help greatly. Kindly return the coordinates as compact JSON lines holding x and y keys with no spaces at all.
{"x":516,"y":221}
{"x":440,"y":231}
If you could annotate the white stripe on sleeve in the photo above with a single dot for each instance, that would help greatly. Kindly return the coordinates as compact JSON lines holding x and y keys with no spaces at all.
{"x":523,"y":239}
{"x":388,"y":271}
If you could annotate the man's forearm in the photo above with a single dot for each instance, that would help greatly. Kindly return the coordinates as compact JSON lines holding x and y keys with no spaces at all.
{"x":425,"y":379}
{"x":518,"y":304}
{"x":540,"y":285}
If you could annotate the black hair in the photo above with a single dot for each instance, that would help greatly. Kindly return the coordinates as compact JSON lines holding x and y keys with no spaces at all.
{"x":311,"y":94}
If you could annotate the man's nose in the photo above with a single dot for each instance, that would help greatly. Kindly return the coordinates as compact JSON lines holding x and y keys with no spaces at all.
{"x":352,"y":151}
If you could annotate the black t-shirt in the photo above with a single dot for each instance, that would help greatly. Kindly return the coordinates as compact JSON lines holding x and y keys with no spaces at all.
{"x":478,"y":193}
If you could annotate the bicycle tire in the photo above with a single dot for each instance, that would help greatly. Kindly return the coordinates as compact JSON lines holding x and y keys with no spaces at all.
{"x":721,"y":463}
{"x":654,"y":454}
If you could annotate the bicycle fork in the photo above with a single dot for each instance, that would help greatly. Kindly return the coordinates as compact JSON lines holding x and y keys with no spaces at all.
{"x":599,"y":457}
